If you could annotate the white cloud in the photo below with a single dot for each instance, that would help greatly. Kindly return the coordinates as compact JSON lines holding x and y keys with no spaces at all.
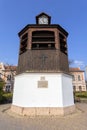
{"x":78,"y":63}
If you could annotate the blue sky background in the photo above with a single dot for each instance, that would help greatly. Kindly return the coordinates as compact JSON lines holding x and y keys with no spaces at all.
{"x":70,"y":14}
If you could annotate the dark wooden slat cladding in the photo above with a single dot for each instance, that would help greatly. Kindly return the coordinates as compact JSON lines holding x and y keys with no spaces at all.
{"x":31,"y":61}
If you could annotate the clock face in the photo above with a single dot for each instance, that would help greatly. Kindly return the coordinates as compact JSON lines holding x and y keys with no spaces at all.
{"x":43,"y":20}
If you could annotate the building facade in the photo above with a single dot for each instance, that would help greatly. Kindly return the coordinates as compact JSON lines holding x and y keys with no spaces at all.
{"x":2,"y":69}
{"x":7,"y":73}
{"x":78,"y":79}
{"x":86,"y":72}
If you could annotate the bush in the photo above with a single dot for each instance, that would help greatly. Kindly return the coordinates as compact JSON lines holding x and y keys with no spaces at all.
{"x":1,"y":86}
{"x":1,"y":91}
{"x":4,"y":97}
{"x":7,"y":97}
{"x":81,"y":94}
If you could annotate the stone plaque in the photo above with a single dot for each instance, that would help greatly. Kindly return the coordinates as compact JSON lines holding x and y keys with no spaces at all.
{"x":42,"y":83}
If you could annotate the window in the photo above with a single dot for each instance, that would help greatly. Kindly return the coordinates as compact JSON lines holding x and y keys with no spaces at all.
{"x":63,"y":46}
{"x":79,"y":78}
{"x":80,"y":88}
{"x":23,"y":44}
{"x":74,"y":88}
{"x":73,"y":77}
{"x":8,"y":88}
{"x":0,"y":75}
{"x":9,"y":77}
{"x":43,"y":40}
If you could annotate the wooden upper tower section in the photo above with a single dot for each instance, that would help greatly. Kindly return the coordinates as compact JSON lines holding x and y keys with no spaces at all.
{"x":43,"y":47}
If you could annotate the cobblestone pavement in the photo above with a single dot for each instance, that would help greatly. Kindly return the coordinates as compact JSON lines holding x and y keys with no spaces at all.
{"x":76,"y":121}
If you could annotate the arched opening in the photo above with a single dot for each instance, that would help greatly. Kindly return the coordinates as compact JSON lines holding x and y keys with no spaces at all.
{"x":80,"y":88}
{"x":73,"y":77}
{"x":74,"y":88}
{"x":23,"y":43}
{"x":63,"y":45}
{"x":43,"y":40}
{"x":79,"y":78}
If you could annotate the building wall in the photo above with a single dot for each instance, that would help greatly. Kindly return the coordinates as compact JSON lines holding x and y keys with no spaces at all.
{"x":78,"y":81}
{"x":9,"y":80}
{"x":86,"y":72}
{"x":2,"y":71}
{"x":7,"y":74}
{"x":57,"y":92}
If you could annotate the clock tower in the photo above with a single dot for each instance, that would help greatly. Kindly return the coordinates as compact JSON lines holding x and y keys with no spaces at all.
{"x":43,"y":85}
{"x":43,"y":19}
{"x":43,"y":47}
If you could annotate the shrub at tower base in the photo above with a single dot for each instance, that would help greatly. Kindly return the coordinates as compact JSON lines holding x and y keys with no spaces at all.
{"x":4,"y":97}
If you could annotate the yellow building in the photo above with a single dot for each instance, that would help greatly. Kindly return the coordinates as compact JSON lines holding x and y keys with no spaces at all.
{"x":7,"y":73}
{"x":78,"y":79}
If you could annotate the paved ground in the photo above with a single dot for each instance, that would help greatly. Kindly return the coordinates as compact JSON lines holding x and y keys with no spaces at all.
{"x":76,"y":121}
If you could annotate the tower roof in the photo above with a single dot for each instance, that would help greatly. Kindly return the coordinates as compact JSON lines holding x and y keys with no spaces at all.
{"x":41,"y":14}
{"x":43,"y":26}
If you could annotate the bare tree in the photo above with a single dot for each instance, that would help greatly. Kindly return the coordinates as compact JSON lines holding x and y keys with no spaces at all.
{"x":71,"y":62}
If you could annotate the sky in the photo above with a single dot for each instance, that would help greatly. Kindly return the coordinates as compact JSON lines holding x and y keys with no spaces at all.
{"x":70,"y":14}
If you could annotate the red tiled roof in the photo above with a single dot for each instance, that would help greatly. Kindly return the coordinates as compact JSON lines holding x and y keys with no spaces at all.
{"x":11,"y":68}
{"x":75,"y":70}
